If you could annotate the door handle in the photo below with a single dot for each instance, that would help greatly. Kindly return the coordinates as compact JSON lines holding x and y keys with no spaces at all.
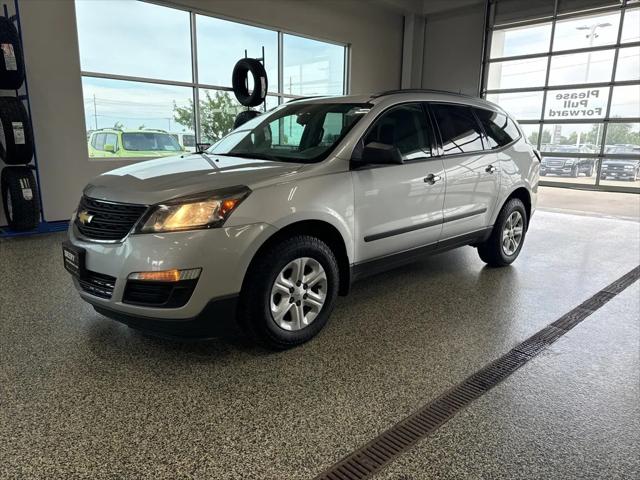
{"x":490,"y":169}
{"x":431,"y":179}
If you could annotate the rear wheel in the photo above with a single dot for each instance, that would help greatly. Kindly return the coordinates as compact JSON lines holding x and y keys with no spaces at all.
{"x":289,"y":292}
{"x":507,"y":237}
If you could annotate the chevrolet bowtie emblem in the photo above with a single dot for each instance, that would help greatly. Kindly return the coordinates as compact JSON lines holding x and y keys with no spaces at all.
{"x":85,"y":217}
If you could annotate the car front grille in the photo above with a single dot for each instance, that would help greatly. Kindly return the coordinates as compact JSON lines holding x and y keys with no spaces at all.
{"x":97,"y":284}
{"x":100,"y":220}
{"x":555,"y":163}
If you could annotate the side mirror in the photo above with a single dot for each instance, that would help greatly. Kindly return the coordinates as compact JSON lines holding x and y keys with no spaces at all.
{"x":109,"y":148}
{"x":381,"y":154}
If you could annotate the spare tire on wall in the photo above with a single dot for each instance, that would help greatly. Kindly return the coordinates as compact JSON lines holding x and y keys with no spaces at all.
{"x":20,"y":198}
{"x":11,"y":60}
{"x":16,"y":138}
{"x":239,"y":81}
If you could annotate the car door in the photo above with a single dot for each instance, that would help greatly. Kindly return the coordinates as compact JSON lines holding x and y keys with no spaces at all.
{"x":399,"y":207}
{"x":472,"y":174}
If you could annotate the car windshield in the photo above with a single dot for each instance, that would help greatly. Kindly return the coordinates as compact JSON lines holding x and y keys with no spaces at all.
{"x":150,"y":141}
{"x":297,"y":132}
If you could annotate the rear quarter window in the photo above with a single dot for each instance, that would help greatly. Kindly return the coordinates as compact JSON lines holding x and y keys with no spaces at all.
{"x":499,"y":128}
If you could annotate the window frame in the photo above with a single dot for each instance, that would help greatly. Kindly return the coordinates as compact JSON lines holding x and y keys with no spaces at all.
{"x":625,"y":8}
{"x":196,"y":85}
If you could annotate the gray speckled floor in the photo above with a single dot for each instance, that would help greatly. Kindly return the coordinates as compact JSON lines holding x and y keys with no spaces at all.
{"x":572,"y":412}
{"x":84,"y":397}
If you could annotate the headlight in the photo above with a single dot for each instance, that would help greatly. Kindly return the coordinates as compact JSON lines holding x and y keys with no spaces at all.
{"x":207,"y":210}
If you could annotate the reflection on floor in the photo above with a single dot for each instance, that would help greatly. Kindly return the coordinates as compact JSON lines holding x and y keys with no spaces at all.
{"x":85,"y":397}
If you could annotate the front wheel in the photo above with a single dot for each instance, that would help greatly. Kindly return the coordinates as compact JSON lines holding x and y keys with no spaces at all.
{"x":507,"y":236}
{"x":289,"y":292}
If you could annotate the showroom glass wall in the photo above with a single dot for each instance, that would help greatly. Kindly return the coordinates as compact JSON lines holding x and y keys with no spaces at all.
{"x":158,"y":70}
{"x":572,"y":79}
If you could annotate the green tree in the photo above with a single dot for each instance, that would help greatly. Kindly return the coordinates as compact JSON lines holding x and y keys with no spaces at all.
{"x":217,"y":113}
{"x":546,"y":137}
{"x":618,"y":133}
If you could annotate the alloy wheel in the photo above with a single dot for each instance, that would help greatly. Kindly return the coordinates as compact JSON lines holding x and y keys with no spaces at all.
{"x":298,"y":294}
{"x":512,"y":233}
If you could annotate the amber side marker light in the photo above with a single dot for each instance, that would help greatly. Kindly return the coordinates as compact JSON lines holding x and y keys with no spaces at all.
{"x":173,"y":275}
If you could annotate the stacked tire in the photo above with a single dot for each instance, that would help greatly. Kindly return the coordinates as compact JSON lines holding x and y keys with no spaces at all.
{"x":240,"y":82}
{"x":18,"y":187}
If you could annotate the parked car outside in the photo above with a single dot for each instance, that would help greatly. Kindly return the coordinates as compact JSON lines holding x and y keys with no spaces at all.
{"x":279,"y":217}
{"x":568,"y":166}
{"x":621,"y":168}
{"x":115,"y":143}
{"x":186,"y":140}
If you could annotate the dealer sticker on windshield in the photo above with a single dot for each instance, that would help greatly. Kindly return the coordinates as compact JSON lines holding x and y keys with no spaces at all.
{"x":18,"y":132}
{"x":9,"y":56}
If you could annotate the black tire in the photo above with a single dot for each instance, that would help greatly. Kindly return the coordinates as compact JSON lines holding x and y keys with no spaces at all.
{"x":491,"y":251}
{"x":11,"y":59}
{"x":16,"y":137}
{"x":244,"y":116}
{"x":239,"y":82}
{"x":575,"y":172}
{"x":20,"y":198}
{"x":254,"y":313}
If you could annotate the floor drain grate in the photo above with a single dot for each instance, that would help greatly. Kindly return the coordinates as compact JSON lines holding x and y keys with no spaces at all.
{"x":382,"y":450}
{"x":623,"y":282}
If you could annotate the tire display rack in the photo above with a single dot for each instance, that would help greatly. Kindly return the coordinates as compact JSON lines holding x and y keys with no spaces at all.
{"x":22,"y":95}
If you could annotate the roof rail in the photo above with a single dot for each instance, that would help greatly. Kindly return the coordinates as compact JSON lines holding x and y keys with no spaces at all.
{"x":304,"y":98}
{"x":419,"y":90}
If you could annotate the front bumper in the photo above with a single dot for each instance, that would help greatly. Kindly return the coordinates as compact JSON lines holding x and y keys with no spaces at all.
{"x":618,"y":174}
{"x":217,"y":319}
{"x":223,"y":254}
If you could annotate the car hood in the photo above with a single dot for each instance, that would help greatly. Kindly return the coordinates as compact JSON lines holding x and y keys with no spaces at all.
{"x":621,"y":162}
{"x":162,"y":179}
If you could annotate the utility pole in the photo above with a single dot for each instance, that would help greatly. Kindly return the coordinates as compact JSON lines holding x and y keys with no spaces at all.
{"x":95,"y":113}
{"x":592,"y":35}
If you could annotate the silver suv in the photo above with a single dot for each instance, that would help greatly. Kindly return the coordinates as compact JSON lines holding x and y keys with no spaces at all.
{"x":274,"y":221}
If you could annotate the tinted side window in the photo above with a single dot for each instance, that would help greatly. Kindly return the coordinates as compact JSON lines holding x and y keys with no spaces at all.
{"x":404,"y":127}
{"x":459,"y":129}
{"x":499,"y":128}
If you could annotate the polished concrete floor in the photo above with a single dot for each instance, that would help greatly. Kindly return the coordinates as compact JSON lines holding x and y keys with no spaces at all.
{"x":84,"y":397}
{"x":624,"y":206}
